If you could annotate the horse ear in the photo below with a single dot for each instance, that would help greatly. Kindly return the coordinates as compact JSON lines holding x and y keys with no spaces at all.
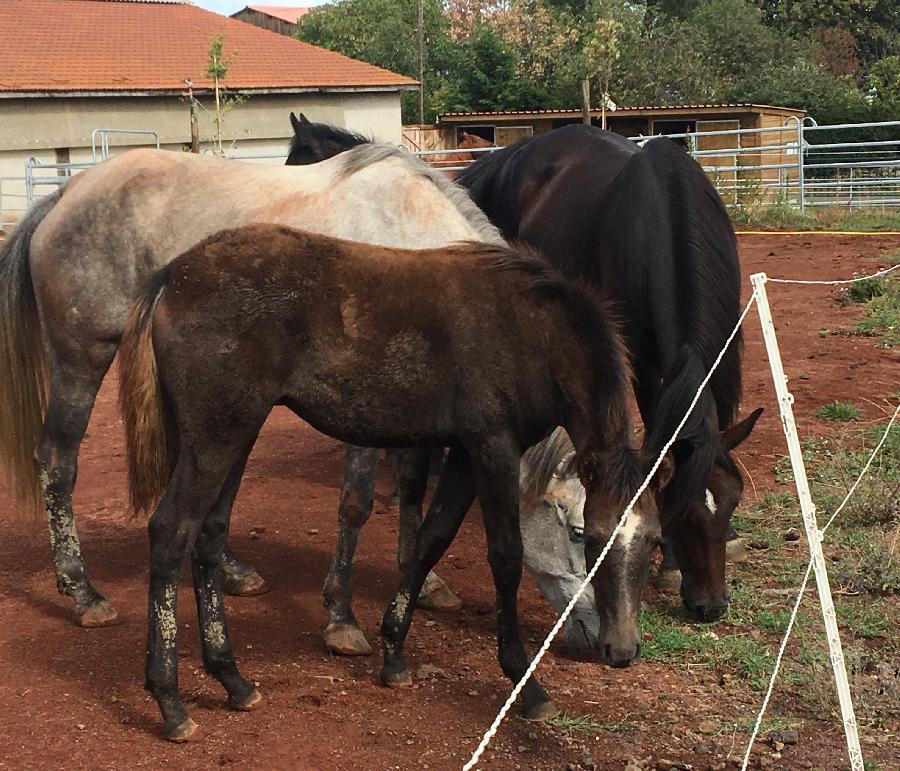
{"x":298,"y":123}
{"x":588,"y":460}
{"x":665,"y":472}
{"x":733,"y":436}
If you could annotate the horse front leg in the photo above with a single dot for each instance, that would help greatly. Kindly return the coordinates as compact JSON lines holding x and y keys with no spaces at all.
{"x":496,"y":473}
{"x":451,"y":501}
{"x":73,"y":389}
{"x":413,"y":468}
{"x":343,"y":635}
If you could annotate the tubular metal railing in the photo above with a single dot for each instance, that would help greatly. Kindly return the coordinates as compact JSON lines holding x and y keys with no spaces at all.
{"x":799,"y":163}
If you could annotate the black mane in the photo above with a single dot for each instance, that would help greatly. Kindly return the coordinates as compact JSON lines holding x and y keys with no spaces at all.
{"x":648,"y":227}
{"x":325,"y":131}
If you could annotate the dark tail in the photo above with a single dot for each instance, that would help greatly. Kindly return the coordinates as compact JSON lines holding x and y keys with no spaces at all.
{"x":23,"y":366}
{"x":149,"y":428}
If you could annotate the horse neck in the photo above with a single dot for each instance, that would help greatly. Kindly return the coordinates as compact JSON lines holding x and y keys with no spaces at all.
{"x":594,"y":395}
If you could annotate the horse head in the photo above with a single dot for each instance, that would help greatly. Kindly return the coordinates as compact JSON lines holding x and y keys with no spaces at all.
{"x":699,"y":532}
{"x":315,"y":142}
{"x":552,"y":523}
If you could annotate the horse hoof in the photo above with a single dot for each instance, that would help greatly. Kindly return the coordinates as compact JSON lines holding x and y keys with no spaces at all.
{"x":436,"y":595}
{"x":346,"y":640}
{"x":184,"y":732}
{"x":248,"y":704}
{"x":99,"y":614}
{"x":396,"y":679}
{"x":251,"y":584}
{"x":543,"y":711}
{"x":736,"y":550}
{"x":668,"y":581}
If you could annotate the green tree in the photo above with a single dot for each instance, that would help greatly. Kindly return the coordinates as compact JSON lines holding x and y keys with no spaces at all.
{"x":485,"y":77}
{"x":217,"y":64}
{"x":383,"y":32}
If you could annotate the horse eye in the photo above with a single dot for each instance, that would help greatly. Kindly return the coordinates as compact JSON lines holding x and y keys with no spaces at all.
{"x":576,"y":534}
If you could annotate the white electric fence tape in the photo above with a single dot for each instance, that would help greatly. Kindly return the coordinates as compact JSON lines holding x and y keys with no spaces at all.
{"x":489,"y":734}
{"x":879,"y":274}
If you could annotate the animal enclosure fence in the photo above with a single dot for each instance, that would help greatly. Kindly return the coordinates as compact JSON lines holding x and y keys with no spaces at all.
{"x":814,"y":534}
{"x":800,"y":163}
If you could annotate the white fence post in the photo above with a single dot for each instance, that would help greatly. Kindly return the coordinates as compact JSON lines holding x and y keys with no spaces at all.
{"x":813,"y":534}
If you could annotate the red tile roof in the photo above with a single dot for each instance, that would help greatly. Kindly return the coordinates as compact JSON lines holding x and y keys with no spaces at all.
{"x":288,"y":13}
{"x":116,"y":45}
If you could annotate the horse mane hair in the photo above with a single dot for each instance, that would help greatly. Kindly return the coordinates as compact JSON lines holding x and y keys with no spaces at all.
{"x":704,"y":247}
{"x":366,"y":155}
{"x":327,"y":132}
{"x":601,"y":329}
{"x":542,"y":461}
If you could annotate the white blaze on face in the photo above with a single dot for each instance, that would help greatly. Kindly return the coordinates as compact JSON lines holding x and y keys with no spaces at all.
{"x":626,"y":538}
{"x":710,"y":502}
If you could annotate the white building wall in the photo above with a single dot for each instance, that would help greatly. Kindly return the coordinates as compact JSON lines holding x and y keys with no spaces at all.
{"x":51,"y":127}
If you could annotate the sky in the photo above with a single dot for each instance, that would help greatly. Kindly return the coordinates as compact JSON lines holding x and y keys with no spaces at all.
{"x":228,"y":7}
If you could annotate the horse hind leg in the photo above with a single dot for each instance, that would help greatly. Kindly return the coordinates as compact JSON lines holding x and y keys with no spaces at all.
{"x":206,"y":569}
{"x":71,"y":398}
{"x":343,"y":635}
{"x":238,"y":578}
{"x":413,"y":470}
{"x":188,"y":505}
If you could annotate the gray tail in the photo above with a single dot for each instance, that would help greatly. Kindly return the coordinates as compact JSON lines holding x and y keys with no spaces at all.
{"x":23,"y":366}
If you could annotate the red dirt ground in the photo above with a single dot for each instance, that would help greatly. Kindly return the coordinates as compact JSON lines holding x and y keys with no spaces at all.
{"x":73,"y":697}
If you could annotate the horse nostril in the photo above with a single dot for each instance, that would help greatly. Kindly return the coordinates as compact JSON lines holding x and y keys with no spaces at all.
{"x":637,"y":652}
{"x":607,"y":653}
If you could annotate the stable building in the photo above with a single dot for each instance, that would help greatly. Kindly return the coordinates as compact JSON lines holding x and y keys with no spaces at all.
{"x":68,"y":67}
{"x":745,"y":166}
{"x":282,"y":19}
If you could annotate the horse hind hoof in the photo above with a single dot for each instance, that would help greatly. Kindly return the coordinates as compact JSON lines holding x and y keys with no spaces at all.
{"x":736,"y":550}
{"x":183,"y":732}
{"x":101,"y":613}
{"x":668,"y":582}
{"x":247,"y":704}
{"x":250,"y":585}
{"x":400,"y":679}
{"x":346,"y":640}
{"x":540,"y":712}
{"x":436,"y":595}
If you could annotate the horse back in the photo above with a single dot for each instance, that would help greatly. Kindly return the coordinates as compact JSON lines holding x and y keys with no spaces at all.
{"x":361,"y":341}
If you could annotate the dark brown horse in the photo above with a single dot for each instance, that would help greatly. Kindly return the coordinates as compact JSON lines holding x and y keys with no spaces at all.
{"x":467,"y":357}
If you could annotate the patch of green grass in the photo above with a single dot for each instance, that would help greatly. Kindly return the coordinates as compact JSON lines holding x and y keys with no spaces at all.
{"x":872,"y":568}
{"x":734,"y":653}
{"x":773,"y":620}
{"x":882,"y":317}
{"x":838,"y":411}
{"x":867,"y":289}
{"x":584,"y":724}
{"x":783,"y":216}
{"x":768,"y":724}
{"x":863,"y":617}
